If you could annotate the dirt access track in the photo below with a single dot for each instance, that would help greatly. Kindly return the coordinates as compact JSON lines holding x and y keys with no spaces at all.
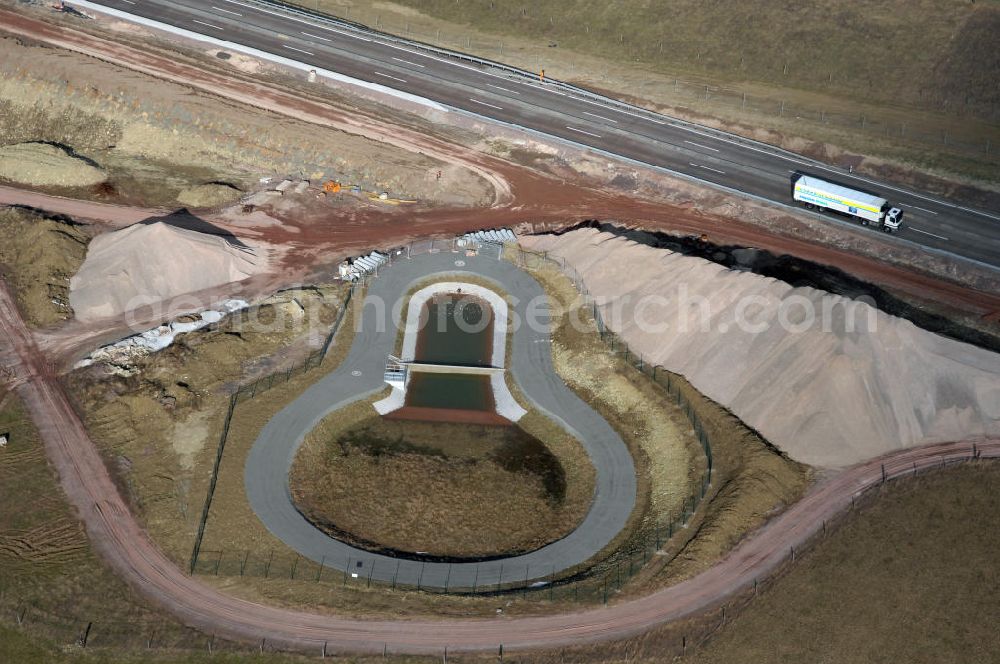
{"x":117,"y":536}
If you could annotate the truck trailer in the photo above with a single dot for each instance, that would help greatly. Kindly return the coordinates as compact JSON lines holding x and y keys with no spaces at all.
{"x":818,"y":194}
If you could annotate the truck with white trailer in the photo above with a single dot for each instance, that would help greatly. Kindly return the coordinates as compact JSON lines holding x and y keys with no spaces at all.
{"x":818,"y":194}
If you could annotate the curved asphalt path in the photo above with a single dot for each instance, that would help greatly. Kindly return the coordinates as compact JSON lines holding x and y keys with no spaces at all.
{"x":270,"y":459}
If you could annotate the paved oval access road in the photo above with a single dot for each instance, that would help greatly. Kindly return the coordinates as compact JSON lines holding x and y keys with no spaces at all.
{"x":360,"y":375}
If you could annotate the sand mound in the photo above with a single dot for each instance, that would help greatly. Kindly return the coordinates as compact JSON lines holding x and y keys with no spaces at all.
{"x":844,"y":385}
{"x":44,"y":165}
{"x":208,"y":195}
{"x":148,"y":263}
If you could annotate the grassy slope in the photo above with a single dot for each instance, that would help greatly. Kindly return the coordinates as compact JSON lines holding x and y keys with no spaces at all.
{"x":46,"y":567}
{"x":915,"y":72}
{"x":895,"y":52}
{"x":156,"y":139}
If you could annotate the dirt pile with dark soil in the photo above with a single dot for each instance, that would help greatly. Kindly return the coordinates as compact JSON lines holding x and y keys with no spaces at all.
{"x":212,"y":194}
{"x":45,"y":165}
{"x":38,"y":256}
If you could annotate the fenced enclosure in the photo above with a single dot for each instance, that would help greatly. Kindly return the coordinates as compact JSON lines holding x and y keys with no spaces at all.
{"x":590,"y":584}
{"x":598,"y":584}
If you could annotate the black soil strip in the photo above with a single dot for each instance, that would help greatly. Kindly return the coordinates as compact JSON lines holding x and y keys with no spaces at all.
{"x":799,"y":273}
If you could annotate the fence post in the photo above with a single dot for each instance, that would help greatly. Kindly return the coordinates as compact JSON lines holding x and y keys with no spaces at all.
{"x":85,"y":635}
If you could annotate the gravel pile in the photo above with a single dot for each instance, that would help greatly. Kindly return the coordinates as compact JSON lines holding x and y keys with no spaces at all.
{"x":149,"y":263}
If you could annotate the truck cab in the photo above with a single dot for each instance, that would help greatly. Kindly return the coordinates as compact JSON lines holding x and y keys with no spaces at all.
{"x":893,"y":220}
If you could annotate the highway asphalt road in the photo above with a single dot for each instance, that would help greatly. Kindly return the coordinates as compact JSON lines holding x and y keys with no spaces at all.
{"x":360,"y":375}
{"x":712,"y":156}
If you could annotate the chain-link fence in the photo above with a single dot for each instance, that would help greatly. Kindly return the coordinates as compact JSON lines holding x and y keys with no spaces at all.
{"x":249,"y":391}
{"x":135,"y":633}
{"x":595,"y":583}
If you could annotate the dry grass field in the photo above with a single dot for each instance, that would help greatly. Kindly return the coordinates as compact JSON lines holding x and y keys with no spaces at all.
{"x":911,"y":576}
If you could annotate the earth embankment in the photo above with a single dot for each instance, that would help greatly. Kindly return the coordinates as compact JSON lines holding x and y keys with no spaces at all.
{"x":830,"y":381}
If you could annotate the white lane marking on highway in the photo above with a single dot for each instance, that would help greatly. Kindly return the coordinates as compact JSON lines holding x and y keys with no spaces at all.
{"x":297,"y":20}
{"x":476,"y":101}
{"x":215,"y":27}
{"x":316,"y":37}
{"x":917,"y":207}
{"x":220,"y":9}
{"x":701,"y":146}
{"x":595,"y":115}
{"x":292,"y":48}
{"x":344,"y":32}
{"x":378,"y":73}
{"x":513,"y":92}
{"x":129,"y":1}
{"x":584,"y":132}
{"x":707,"y":168}
{"x":405,"y":50}
{"x":618,"y":110}
{"x":408,"y":62}
{"x":940,"y":237}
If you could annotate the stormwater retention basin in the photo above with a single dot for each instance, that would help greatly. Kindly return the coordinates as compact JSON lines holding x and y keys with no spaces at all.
{"x":456,"y":330}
